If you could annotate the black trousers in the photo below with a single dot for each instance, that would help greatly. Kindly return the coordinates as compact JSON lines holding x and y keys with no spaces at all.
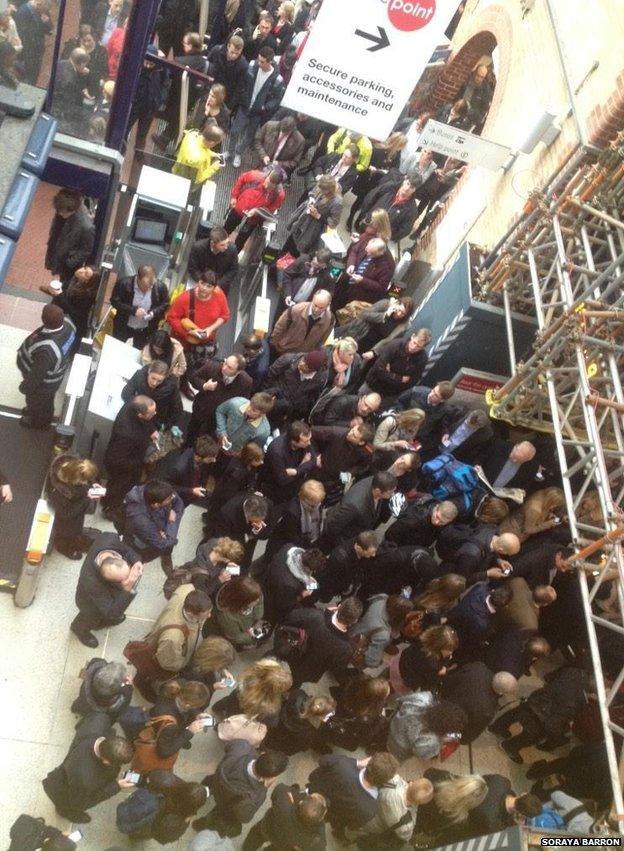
{"x":84,"y":622}
{"x":119,"y":482}
{"x":40,"y":406}
{"x":140,"y":336}
{"x":232,"y":221}
{"x":532,"y":728}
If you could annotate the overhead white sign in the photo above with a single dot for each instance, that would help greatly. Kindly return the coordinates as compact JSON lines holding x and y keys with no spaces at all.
{"x":464,"y":146}
{"x":363,"y":59}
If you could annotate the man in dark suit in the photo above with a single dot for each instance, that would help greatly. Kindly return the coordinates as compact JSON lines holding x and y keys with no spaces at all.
{"x":342,"y":449}
{"x":473,"y":618}
{"x":88,"y":774}
{"x":509,"y":465}
{"x":33,"y":23}
{"x":289,"y":460}
{"x":399,"y":365}
{"x":482,"y":555}
{"x":239,"y":786}
{"x":188,"y":469}
{"x":70,"y":240}
{"x":216,"y":254}
{"x":307,"y":275}
{"x":345,"y":564}
{"x":294,"y":817}
{"x":328,"y":647}
{"x":438,"y":414}
{"x":301,"y":520}
{"x":133,"y":430}
{"x":421,"y":521}
{"x":346,"y":409}
{"x":141,"y":302}
{"x":106,"y":586}
{"x":216,"y":381}
{"x":364,"y":506}
{"x":245,"y":517}
{"x":351,"y":788}
{"x":472,"y":687}
{"x":296,"y":380}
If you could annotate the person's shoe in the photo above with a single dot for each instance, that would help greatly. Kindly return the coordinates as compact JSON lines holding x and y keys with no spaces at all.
{"x":502,"y":734}
{"x":514,"y":756}
{"x":236,"y":162}
{"x":86,"y":638}
{"x":73,"y":554}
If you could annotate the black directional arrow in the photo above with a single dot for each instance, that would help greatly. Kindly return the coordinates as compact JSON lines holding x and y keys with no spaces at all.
{"x":380,"y":40}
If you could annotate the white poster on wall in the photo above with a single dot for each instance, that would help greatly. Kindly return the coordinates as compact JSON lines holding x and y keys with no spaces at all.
{"x":363,"y":59}
{"x":464,"y":146}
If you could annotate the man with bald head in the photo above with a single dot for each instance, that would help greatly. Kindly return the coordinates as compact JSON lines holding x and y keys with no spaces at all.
{"x":303,"y":327}
{"x":473,"y":687}
{"x":346,"y":410}
{"x":133,"y":430}
{"x":484,"y":555}
{"x":509,"y":465}
{"x":43,"y":359}
{"x":106,"y":587}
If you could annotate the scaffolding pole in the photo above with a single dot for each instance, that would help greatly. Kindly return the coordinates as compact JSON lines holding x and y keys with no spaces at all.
{"x":563,"y":264}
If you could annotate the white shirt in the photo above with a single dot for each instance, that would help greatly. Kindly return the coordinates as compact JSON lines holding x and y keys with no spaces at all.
{"x":261,"y":79}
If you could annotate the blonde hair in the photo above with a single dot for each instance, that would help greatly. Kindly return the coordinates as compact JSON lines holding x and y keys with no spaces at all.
{"x":395,"y":143}
{"x":312,"y":490}
{"x":77,"y":471}
{"x":229,"y":550}
{"x":346,"y":344}
{"x":218,"y":92}
{"x":263,"y":686}
{"x":419,"y":792}
{"x":411,"y":420}
{"x":192,"y":695}
{"x":455,"y":798}
{"x":319,"y":707}
{"x":213,"y":654}
{"x":381,"y":222}
{"x":288,"y":8}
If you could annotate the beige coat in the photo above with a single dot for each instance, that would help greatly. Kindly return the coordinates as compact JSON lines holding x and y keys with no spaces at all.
{"x":291,"y":333}
{"x":174,"y":650}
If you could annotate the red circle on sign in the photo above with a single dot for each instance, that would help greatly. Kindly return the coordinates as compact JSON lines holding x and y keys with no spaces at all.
{"x":410,"y":15}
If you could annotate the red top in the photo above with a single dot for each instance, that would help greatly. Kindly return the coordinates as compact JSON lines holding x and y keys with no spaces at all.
{"x":114,"y":46}
{"x":206,"y":312}
{"x":249,"y":192}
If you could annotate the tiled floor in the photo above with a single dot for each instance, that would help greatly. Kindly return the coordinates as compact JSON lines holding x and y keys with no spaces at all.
{"x":39,"y":671}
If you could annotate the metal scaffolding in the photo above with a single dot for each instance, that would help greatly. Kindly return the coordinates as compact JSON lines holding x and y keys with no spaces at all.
{"x":564,"y":264}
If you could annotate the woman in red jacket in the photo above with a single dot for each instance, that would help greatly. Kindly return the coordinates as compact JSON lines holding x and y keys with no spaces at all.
{"x":252,"y":190}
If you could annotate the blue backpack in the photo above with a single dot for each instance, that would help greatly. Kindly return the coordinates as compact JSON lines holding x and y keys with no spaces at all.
{"x":138,"y":811}
{"x":548,"y":820}
{"x":450,"y":477}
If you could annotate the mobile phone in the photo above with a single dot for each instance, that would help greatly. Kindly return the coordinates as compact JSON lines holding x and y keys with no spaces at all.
{"x":99,"y":491}
{"x":233,"y":569}
{"x":228,"y":682}
{"x":227,"y":445}
{"x":257,"y":632}
{"x":132,"y":776}
{"x":75,"y":836}
{"x":507,"y":571}
{"x":209,"y":722}
{"x":556,"y":520}
{"x":456,"y":737}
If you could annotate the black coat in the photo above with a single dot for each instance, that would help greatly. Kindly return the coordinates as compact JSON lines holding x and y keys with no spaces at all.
{"x":402,"y":216}
{"x":70,"y":243}
{"x":29,"y":834}
{"x":558,"y":702}
{"x":238,"y":796}
{"x":280,"y":456}
{"x":203,"y":259}
{"x":470,"y":687}
{"x":282,"y":827}
{"x":438,"y":418}
{"x":293,"y":732}
{"x":473,"y":558}
{"x":178,"y":468}
{"x":356,"y":513}
{"x":71,"y":502}
{"x":337,"y":778}
{"x":128,"y":442}
{"x":282,"y":590}
{"x":491,"y":816}
{"x":414,"y":526}
{"x":268,"y":98}
{"x":254,"y":46}
{"x":284,"y":381}
{"x":287,"y":529}
{"x":471,"y":618}
{"x":394,"y":362}
{"x":82,"y":780}
{"x":166,"y":396}
{"x":88,"y":701}
{"x":95,"y":597}
{"x":325,"y":164}
{"x":336,"y":410}
{"x":206,"y":402}
{"x":338,"y":455}
{"x":121,"y":300}
{"x":232,"y":523}
{"x":232,"y":75}
{"x":494,"y":461}
{"x":298,"y":272}
{"x":237,"y":479}
{"x":327,"y":649}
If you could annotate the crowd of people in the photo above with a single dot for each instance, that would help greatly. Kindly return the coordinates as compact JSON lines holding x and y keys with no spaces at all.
{"x":383,"y":565}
